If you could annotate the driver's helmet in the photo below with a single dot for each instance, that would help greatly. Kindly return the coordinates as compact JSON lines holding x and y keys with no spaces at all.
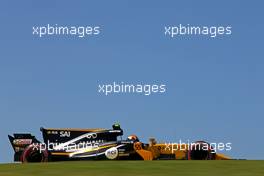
{"x":133,"y":138}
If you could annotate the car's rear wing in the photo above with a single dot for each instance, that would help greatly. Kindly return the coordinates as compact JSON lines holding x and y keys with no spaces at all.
{"x":19,"y":142}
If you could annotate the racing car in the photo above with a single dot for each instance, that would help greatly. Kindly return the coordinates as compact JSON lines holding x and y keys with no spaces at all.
{"x":102,"y":144}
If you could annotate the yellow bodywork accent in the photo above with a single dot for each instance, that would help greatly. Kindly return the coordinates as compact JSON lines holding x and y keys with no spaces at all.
{"x":60,"y":153}
{"x":146,"y":155}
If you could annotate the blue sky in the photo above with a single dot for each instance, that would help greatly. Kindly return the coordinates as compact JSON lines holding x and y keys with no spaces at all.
{"x":214,"y":85}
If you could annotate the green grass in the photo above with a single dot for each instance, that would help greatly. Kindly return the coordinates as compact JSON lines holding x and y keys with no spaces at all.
{"x":136,"y":168}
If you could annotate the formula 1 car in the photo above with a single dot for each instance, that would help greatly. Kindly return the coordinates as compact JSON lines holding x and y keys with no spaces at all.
{"x":102,"y":144}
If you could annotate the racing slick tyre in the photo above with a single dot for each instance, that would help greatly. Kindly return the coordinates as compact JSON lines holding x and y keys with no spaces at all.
{"x":34,"y":153}
{"x":201,"y":150}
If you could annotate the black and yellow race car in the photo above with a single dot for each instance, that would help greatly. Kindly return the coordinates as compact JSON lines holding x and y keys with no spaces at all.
{"x":102,"y":144}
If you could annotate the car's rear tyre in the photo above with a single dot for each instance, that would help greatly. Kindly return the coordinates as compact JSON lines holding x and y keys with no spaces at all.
{"x":201,"y":151}
{"x":33,"y":153}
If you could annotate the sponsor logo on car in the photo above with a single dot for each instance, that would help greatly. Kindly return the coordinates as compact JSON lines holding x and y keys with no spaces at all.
{"x":111,"y":153}
{"x":22,"y":141}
